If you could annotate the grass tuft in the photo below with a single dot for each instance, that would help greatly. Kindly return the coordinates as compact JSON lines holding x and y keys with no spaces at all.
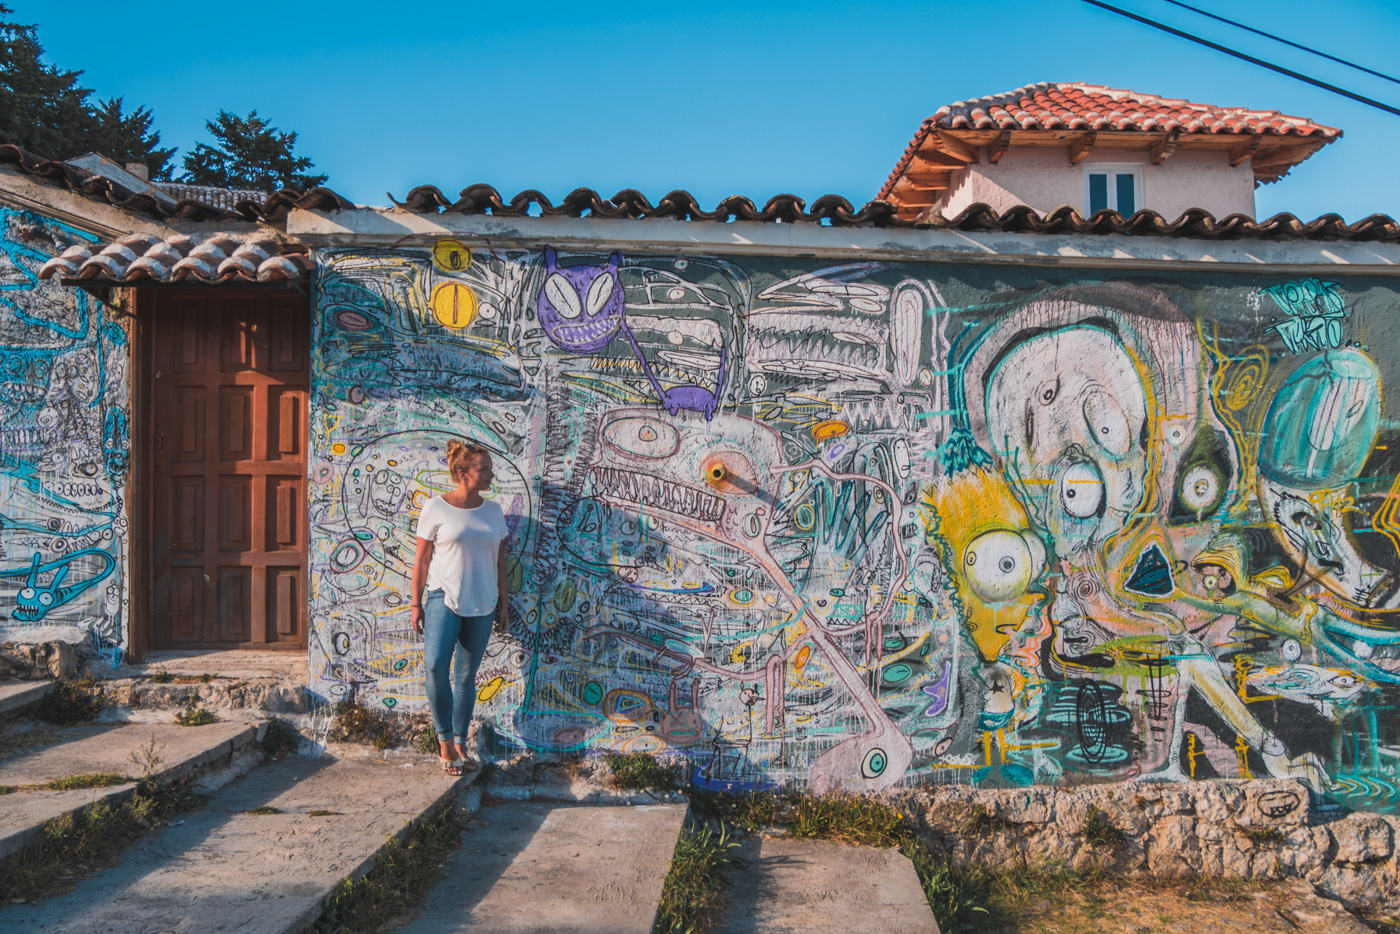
{"x":279,"y":739}
{"x":6,"y":789}
{"x":693,"y":896}
{"x":75,"y":844}
{"x":69,"y":703}
{"x":161,"y":677}
{"x":195,"y":716}
{"x":400,"y":879}
{"x":94,"y":780}
{"x":263,"y":810}
{"x":322,"y":812}
{"x":426,"y":741}
{"x":638,"y":771}
{"x":844,"y":818}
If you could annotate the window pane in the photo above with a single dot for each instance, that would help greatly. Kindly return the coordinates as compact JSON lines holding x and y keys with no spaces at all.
{"x":1127,"y":204}
{"x":1098,"y":192}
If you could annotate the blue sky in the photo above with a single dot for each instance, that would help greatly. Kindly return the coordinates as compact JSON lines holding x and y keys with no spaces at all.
{"x":807,"y":98}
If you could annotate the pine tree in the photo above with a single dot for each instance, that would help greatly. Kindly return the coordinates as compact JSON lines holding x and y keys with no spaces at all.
{"x":249,"y":153}
{"x":45,"y":110}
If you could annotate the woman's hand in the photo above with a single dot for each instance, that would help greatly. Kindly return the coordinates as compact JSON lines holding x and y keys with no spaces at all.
{"x":501,"y":624}
{"x":416,"y":617}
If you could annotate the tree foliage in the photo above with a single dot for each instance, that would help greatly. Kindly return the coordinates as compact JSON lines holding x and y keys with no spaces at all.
{"x":44,"y":109}
{"x":249,"y":153}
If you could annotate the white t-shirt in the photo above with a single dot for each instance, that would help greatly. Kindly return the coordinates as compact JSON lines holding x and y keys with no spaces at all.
{"x":466,"y":544}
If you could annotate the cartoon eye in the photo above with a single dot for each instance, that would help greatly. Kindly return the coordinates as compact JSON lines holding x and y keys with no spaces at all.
{"x":998,"y":566}
{"x":562,"y":295}
{"x":1081,"y":491}
{"x":1107,"y":424}
{"x":1200,"y":489}
{"x":46,"y":598}
{"x":1048,"y":391}
{"x":599,"y":292}
{"x":27,"y":593}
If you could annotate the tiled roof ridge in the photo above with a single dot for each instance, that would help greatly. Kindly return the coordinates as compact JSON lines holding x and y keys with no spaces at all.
{"x":214,"y":196}
{"x":273,"y":208}
{"x":1048,"y":106}
{"x":142,"y":259}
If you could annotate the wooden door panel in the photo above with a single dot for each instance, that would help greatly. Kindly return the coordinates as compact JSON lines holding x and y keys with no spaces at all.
{"x":285,"y":525}
{"x":235,"y":604}
{"x":285,"y":604}
{"x":286,"y":410}
{"x":235,"y":423}
{"x":187,"y":514}
{"x":229,"y":392}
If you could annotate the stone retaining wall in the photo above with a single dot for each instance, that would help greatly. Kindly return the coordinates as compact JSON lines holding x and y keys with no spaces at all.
{"x":40,"y":661}
{"x":1261,"y":829}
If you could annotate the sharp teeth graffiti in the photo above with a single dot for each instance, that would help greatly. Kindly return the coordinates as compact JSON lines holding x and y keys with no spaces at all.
{"x":865,"y":524}
{"x":64,"y":449}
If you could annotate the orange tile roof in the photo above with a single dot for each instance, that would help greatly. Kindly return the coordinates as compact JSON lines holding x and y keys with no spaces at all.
{"x":1078,"y":106}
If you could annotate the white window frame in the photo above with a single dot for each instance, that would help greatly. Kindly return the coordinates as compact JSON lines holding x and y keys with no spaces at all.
{"x":1112,"y":169}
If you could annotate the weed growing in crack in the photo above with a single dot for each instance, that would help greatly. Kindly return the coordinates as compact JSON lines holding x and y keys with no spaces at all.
{"x":279,"y":739}
{"x":638,"y":771}
{"x":263,"y":810}
{"x":1099,"y":830}
{"x":93,"y":780}
{"x":980,"y":820}
{"x":1264,"y":836}
{"x":161,"y":677}
{"x":147,"y":757}
{"x":195,"y":716}
{"x":694,"y":893}
{"x":69,"y":702}
{"x":322,"y":812}
{"x":400,"y":879}
{"x":355,"y":723}
{"x":70,"y":846}
{"x":426,"y":741}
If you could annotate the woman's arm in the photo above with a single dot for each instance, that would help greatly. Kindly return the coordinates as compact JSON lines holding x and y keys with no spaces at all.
{"x":502,"y":623}
{"x":421,"y":559}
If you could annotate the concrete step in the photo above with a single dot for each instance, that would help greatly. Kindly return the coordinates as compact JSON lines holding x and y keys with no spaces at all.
{"x":16,"y":695}
{"x":221,"y":868}
{"x":165,"y":751}
{"x":800,"y":886}
{"x":535,"y":868}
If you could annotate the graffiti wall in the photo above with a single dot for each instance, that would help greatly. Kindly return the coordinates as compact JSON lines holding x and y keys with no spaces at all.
{"x":864,"y":524}
{"x":64,"y":447}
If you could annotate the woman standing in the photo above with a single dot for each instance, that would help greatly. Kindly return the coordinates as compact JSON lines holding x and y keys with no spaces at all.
{"x":461,"y":558}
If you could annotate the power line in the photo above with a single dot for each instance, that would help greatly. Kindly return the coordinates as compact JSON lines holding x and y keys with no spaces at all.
{"x":1248,"y":58}
{"x":1267,"y":35}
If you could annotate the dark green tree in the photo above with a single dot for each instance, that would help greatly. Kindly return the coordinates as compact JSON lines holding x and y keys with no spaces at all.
{"x":251,"y":153}
{"x":44,"y":109}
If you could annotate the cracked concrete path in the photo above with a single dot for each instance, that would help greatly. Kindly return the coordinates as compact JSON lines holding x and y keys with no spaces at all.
{"x":536,"y":868}
{"x":165,"y":751}
{"x":221,"y":868}
{"x":800,"y":886}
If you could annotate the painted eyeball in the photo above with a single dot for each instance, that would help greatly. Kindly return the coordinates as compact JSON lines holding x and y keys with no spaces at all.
{"x":1081,"y":491}
{"x":562,"y":295}
{"x":599,"y":291}
{"x":998,"y":566}
{"x":46,"y":598}
{"x":27,"y":593}
{"x":1200,"y":489}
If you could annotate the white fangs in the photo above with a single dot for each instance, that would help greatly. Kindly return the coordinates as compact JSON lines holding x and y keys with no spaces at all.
{"x":656,"y":493}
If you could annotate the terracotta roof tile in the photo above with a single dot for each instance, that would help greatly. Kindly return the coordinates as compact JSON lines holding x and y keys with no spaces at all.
{"x":219,"y":258}
{"x":1076,"y":106}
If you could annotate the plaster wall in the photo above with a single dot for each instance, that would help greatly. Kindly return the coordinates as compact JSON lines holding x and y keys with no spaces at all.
{"x":64,"y":448}
{"x":976,"y":523}
{"x":1044,"y":179}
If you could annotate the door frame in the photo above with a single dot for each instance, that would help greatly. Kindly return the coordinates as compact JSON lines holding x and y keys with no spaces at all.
{"x":141,"y":496}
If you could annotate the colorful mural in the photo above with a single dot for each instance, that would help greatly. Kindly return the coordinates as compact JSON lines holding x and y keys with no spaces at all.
{"x":861,"y":524}
{"x":64,"y":445}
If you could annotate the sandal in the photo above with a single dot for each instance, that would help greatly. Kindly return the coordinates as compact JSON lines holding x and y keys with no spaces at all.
{"x":452,"y":766}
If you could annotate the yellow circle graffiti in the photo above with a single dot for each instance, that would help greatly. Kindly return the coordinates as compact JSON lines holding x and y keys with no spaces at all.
{"x":451,"y":255}
{"x":454,"y":304}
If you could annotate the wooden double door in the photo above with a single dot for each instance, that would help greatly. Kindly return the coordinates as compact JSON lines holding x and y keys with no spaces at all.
{"x":229,"y":375}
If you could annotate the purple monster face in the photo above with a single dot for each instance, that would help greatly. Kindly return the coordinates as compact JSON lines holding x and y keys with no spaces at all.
{"x":581,"y":307}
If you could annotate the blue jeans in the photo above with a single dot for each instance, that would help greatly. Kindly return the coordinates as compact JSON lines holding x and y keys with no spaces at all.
{"x":452,"y":685}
